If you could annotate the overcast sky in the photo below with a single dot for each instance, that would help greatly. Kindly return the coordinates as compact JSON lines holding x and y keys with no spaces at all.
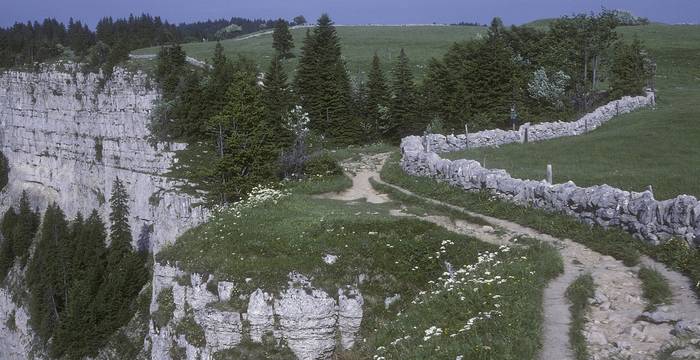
{"x":345,"y":11}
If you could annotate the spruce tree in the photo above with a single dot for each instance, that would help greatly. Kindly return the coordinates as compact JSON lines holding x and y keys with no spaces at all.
{"x":323,"y":84}
{"x":125,"y":272}
{"x":282,"y":40}
{"x":249,"y":157}
{"x":377,"y":98}
{"x":7,"y":255}
{"x":27,"y":225}
{"x":81,"y":314}
{"x":47,"y":277}
{"x":403,"y":102}
{"x":278,"y":102}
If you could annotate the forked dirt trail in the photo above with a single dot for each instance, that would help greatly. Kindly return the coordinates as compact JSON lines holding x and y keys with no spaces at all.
{"x":616,"y":327}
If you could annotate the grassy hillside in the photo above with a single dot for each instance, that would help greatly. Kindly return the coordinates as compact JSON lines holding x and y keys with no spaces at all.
{"x":359,"y":45}
{"x":650,"y":147}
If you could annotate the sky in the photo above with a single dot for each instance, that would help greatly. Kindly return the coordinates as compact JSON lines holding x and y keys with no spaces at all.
{"x":345,"y":11}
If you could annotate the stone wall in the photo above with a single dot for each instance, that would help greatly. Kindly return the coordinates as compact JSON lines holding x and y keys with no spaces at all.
{"x":638,"y":213}
{"x":538,"y":132}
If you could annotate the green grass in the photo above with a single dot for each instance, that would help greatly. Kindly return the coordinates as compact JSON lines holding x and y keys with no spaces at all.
{"x":675,"y":253}
{"x":578,"y":294}
{"x":611,"y":242}
{"x":359,"y":43}
{"x":655,"y":288}
{"x":397,"y":256}
{"x":648,"y":147}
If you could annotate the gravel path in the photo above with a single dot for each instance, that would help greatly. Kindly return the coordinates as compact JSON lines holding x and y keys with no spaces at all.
{"x":615,"y":327}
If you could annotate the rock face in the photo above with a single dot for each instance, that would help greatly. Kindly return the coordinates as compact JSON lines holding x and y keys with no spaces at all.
{"x":308,"y":320}
{"x":67,"y":137}
{"x":638,"y":213}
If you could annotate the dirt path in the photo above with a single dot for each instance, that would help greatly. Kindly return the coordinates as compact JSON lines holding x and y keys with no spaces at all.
{"x":614,"y":328}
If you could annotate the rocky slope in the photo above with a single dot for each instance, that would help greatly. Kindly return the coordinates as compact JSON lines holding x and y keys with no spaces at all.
{"x":67,"y":137}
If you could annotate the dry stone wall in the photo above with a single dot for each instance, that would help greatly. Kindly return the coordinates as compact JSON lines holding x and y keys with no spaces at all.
{"x":538,"y":132}
{"x":654,"y":221}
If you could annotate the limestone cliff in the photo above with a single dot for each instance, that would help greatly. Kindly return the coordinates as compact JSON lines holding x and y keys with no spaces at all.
{"x":67,"y":136}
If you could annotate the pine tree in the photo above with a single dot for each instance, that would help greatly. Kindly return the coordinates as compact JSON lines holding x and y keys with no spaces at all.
{"x":125,"y":272}
{"x":323,"y":84}
{"x":7,"y":255}
{"x":27,"y":225}
{"x":278,"y":102}
{"x":248,"y":157}
{"x":47,"y":276}
{"x":403,"y":102}
{"x":377,"y":97}
{"x":81,"y":314}
{"x":282,"y":40}
{"x":120,"y":231}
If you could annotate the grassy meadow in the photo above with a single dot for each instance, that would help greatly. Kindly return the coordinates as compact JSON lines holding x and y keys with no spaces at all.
{"x":421,"y":43}
{"x":489,"y":309}
{"x":650,"y":147}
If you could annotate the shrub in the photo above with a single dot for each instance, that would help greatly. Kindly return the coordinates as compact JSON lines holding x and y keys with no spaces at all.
{"x":193,"y":332}
{"x":166,"y":307}
{"x":4,"y":171}
{"x":323,"y":165}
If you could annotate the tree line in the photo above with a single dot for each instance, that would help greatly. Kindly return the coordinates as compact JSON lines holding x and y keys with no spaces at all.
{"x":80,"y":290}
{"x":112,"y":39}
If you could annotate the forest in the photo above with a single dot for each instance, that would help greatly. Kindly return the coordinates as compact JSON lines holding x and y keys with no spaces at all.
{"x":80,"y":278}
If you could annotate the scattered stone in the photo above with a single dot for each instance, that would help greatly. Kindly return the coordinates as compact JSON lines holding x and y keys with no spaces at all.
{"x":330,"y":259}
{"x":686,"y":353}
{"x":659,"y":317}
{"x":390,"y":300}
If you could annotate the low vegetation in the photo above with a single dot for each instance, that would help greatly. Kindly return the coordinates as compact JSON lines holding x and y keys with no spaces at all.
{"x":493,"y":295}
{"x":655,"y":288}
{"x":675,"y":253}
{"x":578,"y":294}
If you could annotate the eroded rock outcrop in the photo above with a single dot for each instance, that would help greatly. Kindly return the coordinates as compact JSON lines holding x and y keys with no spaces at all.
{"x":307,"y":320}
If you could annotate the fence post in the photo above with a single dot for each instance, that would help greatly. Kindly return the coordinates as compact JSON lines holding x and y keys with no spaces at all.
{"x":427,"y":144}
{"x":549,"y":174}
{"x":466,"y":134}
{"x":586,"y":122}
{"x":527,"y":130}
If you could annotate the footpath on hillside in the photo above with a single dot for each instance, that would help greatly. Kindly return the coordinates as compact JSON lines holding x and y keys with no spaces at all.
{"x":617,"y":324}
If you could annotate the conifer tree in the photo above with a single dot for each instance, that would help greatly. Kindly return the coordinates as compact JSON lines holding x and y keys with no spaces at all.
{"x":7,"y":255}
{"x":81,"y":314}
{"x":27,"y":224}
{"x":282,"y":40}
{"x":47,"y":276}
{"x":323,"y":84}
{"x":403,"y":103}
{"x":377,"y":97}
{"x":249,"y":157}
{"x":125,"y":273}
{"x":278,"y":102}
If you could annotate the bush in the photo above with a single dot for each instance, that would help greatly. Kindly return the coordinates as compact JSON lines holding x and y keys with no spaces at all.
{"x":166,"y":307}
{"x":322,"y":165}
{"x":4,"y":171}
